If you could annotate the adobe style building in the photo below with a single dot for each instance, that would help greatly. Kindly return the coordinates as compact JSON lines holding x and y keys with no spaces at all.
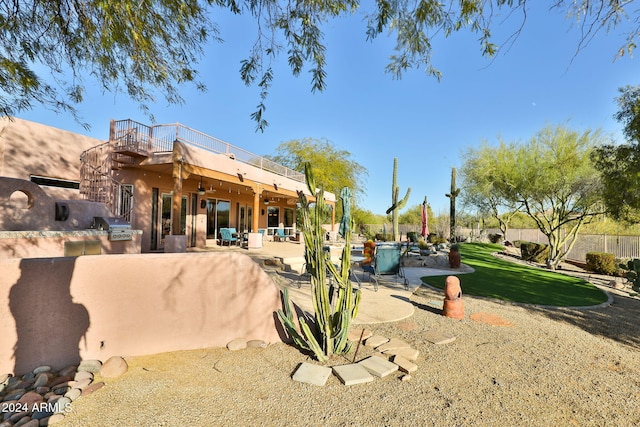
{"x":175,"y":184}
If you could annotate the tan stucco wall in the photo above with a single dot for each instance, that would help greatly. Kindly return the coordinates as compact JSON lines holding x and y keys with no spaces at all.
{"x":30,"y":148}
{"x":57,"y":311}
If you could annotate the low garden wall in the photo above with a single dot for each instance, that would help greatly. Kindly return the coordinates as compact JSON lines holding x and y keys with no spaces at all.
{"x":58,"y":311}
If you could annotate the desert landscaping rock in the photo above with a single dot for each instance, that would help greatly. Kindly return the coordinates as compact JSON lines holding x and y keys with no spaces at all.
{"x":405,"y":365}
{"x":73,"y":394}
{"x":82,"y":375}
{"x":356,"y":335}
{"x":41,"y":380}
{"x":257,"y":344}
{"x":92,"y":366}
{"x":378,"y":366}
{"x":312,"y":374}
{"x":438,"y":338}
{"x":92,"y":388}
{"x":114,"y":367}
{"x":69,"y":371}
{"x":352,"y":374}
{"x":61,"y":380}
{"x":410,"y":354}
{"x":237,"y":344}
{"x":62,"y":405}
{"x":41,"y":369}
{"x":82,"y":383}
{"x":376,"y":341}
{"x":392,"y":344}
{"x":54,"y":419}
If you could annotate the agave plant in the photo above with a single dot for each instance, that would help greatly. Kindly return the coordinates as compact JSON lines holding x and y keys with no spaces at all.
{"x":335,"y":306}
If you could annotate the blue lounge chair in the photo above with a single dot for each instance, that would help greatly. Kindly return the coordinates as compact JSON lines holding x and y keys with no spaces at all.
{"x":387,"y":262}
{"x":280,"y":236}
{"x":227,"y":235}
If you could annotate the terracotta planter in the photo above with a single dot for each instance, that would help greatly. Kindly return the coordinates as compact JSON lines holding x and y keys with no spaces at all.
{"x":453,"y":309}
{"x":454,"y":259}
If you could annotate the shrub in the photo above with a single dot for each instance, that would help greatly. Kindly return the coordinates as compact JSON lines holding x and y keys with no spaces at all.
{"x":436,"y":240}
{"x":535,"y":252}
{"x":422,"y":244}
{"x":495,"y":237}
{"x":384,"y":237}
{"x":601,"y":263}
{"x":412,"y":236}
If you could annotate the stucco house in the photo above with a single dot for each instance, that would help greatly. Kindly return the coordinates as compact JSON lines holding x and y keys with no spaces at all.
{"x":177,"y":185}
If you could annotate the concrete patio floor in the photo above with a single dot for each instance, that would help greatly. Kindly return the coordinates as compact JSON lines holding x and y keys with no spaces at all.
{"x":390,"y":303}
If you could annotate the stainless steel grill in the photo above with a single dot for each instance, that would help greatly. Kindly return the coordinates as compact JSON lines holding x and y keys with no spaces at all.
{"x":118,"y":228}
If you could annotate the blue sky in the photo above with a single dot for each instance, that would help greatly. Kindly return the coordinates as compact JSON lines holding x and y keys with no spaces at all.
{"x":426,"y":124}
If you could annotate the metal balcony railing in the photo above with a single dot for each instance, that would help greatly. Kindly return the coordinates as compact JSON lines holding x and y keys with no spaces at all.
{"x":135,"y":137}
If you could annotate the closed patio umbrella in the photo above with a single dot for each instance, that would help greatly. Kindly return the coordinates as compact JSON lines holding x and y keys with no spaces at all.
{"x":345,"y":222}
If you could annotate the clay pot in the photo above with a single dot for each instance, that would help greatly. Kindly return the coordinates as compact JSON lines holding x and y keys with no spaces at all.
{"x":452,"y":289}
{"x":454,"y":258}
{"x":453,"y":309}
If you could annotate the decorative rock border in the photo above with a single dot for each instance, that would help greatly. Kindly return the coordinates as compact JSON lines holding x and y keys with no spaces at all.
{"x":42,"y":397}
{"x":390,"y":356}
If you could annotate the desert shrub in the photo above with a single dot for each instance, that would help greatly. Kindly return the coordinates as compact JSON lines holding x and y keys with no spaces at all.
{"x":412,"y":236}
{"x":495,"y":237}
{"x":601,"y":263}
{"x":517,"y":243}
{"x":422,"y":244}
{"x":380,"y":237}
{"x":436,"y":240}
{"x":535,"y":252}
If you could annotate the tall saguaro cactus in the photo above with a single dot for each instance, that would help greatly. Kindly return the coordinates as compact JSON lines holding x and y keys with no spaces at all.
{"x":395,"y":204}
{"x":326,"y":334}
{"x":452,"y":205}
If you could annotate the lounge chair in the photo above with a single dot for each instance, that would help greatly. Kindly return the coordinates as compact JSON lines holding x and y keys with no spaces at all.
{"x":280,"y":236}
{"x":227,"y":235}
{"x":387,"y":262}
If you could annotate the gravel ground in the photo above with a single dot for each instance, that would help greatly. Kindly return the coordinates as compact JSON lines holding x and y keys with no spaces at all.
{"x":551,"y":367}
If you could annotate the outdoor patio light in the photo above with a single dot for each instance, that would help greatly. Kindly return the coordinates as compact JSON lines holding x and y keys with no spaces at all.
{"x":201,"y":189}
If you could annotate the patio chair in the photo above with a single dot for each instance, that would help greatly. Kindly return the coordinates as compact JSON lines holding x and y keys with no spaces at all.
{"x":387,"y":262}
{"x":227,"y":236}
{"x":279,"y":236}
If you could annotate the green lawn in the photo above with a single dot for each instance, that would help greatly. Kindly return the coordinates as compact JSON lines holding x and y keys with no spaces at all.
{"x":504,"y":280}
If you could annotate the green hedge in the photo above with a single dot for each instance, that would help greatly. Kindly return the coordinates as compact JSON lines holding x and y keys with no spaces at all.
{"x":601,"y":263}
{"x":535,"y":252}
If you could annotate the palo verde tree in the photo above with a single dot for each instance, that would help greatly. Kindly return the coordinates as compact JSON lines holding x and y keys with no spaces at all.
{"x":483,"y":185}
{"x":619,"y":165}
{"x":142,"y":48}
{"x":334,"y":167}
{"x":552,"y":176}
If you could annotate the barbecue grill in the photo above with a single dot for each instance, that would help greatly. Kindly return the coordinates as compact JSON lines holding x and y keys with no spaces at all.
{"x":118,"y":228}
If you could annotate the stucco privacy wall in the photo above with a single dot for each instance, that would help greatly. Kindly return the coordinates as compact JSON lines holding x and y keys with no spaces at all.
{"x":57,"y":311}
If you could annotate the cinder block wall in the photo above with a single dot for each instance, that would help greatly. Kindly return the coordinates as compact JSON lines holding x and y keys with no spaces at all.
{"x":57,"y":311}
